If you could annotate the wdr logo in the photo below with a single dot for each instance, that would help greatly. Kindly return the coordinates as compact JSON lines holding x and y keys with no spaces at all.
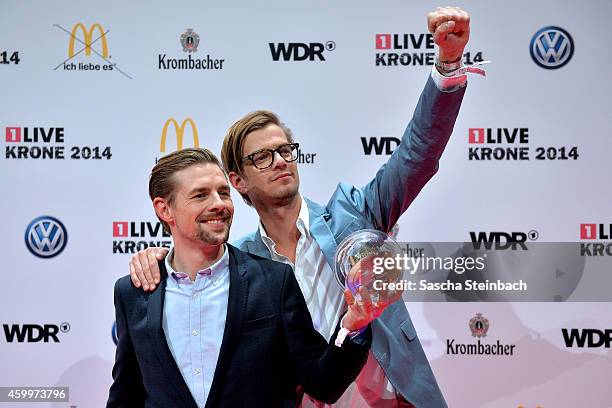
{"x":502,"y":240}
{"x":300,"y":51}
{"x":380,"y":145}
{"x":46,"y":237}
{"x":34,"y":333}
{"x":591,"y":338}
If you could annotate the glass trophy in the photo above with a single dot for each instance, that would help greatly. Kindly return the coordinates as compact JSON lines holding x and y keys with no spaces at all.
{"x":367,"y":259}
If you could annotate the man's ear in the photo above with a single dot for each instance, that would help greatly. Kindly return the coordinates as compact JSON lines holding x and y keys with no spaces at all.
{"x":163,"y":210}
{"x":238,"y":182}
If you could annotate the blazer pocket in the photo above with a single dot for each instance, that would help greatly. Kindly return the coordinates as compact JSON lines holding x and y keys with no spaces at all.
{"x":259,"y":323}
{"x":408,"y":329}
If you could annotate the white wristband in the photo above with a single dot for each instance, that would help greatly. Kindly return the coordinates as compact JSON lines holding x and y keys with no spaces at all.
{"x":341,"y":336}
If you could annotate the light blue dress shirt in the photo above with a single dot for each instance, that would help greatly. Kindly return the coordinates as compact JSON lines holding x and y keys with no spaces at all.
{"x":194,"y":322}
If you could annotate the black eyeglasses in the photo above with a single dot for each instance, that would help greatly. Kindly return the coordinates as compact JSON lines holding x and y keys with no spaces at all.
{"x":262,"y":159}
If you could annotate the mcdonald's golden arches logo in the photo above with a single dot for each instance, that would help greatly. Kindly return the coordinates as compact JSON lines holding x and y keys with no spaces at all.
{"x":179,"y":131}
{"x":88,"y":39}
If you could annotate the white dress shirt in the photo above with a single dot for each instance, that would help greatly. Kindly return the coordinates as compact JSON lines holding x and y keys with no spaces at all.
{"x":324,"y":297}
{"x":194,"y":322}
{"x":325,"y":302}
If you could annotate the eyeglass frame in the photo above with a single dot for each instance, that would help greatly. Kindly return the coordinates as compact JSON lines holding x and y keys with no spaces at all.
{"x":273,"y":152}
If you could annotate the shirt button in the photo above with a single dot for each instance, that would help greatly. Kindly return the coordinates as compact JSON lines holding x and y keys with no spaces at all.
{"x":196,"y":371}
{"x":195,"y":332}
{"x":195,"y":296}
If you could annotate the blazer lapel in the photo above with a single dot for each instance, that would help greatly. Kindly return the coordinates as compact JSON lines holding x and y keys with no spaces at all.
{"x":257,"y":246}
{"x":321,"y":232}
{"x":237,"y":300}
{"x":155,"y":310}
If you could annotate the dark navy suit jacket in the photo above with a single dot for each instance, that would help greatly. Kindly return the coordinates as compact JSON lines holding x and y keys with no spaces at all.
{"x":269,"y":345}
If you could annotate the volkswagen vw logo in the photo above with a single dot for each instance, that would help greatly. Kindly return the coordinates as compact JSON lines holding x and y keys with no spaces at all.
{"x":551,"y":47}
{"x":114,"y":333}
{"x":46,"y":237}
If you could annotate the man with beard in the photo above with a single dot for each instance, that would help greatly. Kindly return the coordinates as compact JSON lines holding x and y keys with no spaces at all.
{"x":223,"y":327}
{"x":259,"y":154}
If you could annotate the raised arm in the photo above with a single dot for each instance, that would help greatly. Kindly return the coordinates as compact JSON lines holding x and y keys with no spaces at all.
{"x":415,"y":161}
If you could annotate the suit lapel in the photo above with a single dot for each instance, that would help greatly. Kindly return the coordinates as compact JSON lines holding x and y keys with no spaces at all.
{"x":237,"y":300}
{"x":318,"y":228}
{"x":155,"y":310}
{"x":321,"y":232}
{"x":257,"y":246}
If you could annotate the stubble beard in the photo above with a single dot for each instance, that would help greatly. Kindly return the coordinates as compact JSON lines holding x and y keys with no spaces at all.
{"x":284,"y":196}
{"x":214,"y":238}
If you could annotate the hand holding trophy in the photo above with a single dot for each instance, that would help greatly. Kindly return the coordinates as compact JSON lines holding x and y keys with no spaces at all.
{"x":365,"y":265}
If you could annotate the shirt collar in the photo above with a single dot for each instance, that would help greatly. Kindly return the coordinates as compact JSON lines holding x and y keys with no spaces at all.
{"x":302,"y":223}
{"x":219,"y":266}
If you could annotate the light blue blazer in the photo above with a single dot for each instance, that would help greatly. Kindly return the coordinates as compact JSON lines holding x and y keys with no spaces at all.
{"x":378,"y":205}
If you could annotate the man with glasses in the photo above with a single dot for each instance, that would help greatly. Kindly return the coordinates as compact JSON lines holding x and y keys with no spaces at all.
{"x":262,"y":159}
{"x":260,"y":155}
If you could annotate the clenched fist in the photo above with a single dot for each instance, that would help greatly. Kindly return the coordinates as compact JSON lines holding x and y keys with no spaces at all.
{"x":450,"y":27}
